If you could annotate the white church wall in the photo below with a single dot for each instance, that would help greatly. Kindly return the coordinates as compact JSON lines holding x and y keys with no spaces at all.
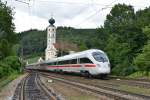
{"x":50,"y":51}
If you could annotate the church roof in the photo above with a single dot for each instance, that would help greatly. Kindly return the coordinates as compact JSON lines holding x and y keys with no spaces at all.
{"x":51,"y":21}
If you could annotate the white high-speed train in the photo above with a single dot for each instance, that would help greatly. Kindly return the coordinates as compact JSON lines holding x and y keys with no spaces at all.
{"x":89,"y":62}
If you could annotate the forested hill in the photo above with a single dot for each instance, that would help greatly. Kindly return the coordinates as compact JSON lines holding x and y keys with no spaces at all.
{"x":68,"y":39}
{"x":125,"y":37}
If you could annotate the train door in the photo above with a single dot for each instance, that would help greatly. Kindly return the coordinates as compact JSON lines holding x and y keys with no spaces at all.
{"x":82,"y":68}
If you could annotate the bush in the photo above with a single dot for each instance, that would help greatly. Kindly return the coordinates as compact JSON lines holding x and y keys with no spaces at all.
{"x":9,"y":65}
{"x":123,"y":69}
{"x":5,"y":69}
{"x":13,"y":62}
{"x":142,"y":61}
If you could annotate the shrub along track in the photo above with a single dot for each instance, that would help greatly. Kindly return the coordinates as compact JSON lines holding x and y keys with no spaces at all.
{"x":99,"y":87}
{"x":31,"y":88}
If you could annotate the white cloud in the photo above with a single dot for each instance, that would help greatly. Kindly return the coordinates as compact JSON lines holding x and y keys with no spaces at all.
{"x":24,"y":21}
{"x":66,"y":12}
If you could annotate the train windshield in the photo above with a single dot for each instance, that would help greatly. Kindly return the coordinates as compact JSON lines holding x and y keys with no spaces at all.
{"x":100,"y":57}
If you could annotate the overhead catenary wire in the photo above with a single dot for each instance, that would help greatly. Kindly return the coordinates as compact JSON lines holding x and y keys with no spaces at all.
{"x":23,"y":2}
{"x":68,"y":3}
{"x":89,"y":17}
{"x":105,"y":6}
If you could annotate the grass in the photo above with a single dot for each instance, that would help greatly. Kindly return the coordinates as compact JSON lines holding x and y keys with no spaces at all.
{"x":137,"y":90}
{"x":5,"y":80}
{"x":32,"y":60}
{"x":139,"y":75}
{"x":136,"y":75}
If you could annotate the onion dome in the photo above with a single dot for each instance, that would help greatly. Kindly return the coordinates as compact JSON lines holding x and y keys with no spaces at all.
{"x":51,"y":21}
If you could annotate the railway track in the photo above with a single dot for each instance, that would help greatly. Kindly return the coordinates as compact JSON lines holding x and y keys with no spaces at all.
{"x":99,"y":89}
{"x":144,"y":83}
{"x":132,"y":79}
{"x":31,"y":88}
{"x":113,"y":81}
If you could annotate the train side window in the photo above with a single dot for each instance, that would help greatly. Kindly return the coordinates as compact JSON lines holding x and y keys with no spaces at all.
{"x":85,"y":60}
{"x":49,"y":63}
{"x":67,"y":62}
{"x":73,"y":61}
{"x":53,"y":63}
{"x":59,"y":62}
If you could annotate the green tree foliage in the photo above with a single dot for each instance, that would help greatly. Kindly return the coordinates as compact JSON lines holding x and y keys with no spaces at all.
{"x":6,"y":24}
{"x":143,"y":17}
{"x":142,"y":61}
{"x":8,"y":65}
{"x":120,"y":16}
{"x":4,"y":48}
{"x":82,"y":47}
{"x":99,"y":40}
{"x":13,"y":62}
{"x":7,"y":36}
{"x":8,"y":62}
{"x":146,"y":30}
{"x":125,"y":38}
{"x":35,"y":41}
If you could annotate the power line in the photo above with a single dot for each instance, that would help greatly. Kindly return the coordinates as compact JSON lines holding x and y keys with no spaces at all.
{"x":74,"y":3}
{"x":87,"y":18}
{"x":23,"y":2}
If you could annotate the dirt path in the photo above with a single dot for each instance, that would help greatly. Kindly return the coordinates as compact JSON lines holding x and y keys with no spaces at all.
{"x":8,"y":91}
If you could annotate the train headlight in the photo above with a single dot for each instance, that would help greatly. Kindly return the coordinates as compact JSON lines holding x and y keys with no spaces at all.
{"x":98,"y":65}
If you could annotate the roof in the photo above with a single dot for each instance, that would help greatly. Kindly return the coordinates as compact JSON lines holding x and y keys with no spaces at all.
{"x":74,"y":55}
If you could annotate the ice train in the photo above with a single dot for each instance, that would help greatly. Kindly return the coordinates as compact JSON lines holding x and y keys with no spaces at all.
{"x":90,"y":62}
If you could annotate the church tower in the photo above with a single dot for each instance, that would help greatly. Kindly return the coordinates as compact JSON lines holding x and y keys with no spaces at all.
{"x":50,"y":51}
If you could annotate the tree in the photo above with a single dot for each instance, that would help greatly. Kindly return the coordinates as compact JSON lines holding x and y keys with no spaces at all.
{"x":120,"y":16}
{"x":126,"y":39}
{"x":142,"y":61}
{"x":143,"y":17}
{"x":6,"y":24}
{"x":100,"y":38}
{"x":146,"y":30}
{"x":5,"y":48}
{"x":82,"y":47}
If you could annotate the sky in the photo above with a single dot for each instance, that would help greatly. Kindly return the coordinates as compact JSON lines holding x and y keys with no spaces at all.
{"x":34,"y":14}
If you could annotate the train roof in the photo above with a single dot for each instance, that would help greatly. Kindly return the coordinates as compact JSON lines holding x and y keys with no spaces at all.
{"x":74,"y":55}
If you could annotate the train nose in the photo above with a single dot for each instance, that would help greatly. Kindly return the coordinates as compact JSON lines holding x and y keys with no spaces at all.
{"x":98,"y":65}
{"x":103,"y":65}
{"x":104,"y":68}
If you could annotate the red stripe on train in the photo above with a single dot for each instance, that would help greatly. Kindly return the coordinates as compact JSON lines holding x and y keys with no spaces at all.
{"x":65,"y":66}
{"x":77,"y":65}
{"x":90,"y":65}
